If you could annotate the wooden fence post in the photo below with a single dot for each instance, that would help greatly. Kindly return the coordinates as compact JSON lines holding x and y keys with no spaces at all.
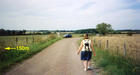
{"x":26,"y":39}
{"x":16,"y":40}
{"x":107,"y":44}
{"x":124,"y":49}
{"x":117,"y":50}
{"x":100,"y":43}
{"x":33,"y":40}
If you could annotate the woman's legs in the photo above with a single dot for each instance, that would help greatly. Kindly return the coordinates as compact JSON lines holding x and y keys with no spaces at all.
{"x":89,"y":59}
{"x":88,"y":63}
{"x":85,"y":62}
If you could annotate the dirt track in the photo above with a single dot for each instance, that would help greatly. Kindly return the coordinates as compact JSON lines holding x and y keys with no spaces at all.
{"x":58,"y":59}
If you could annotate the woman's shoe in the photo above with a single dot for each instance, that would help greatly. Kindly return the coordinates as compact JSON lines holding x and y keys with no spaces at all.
{"x":89,"y":68}
{"x":85,"y":69}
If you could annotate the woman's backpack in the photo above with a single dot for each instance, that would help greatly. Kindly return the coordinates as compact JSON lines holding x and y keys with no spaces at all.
{"x":86,"y":44}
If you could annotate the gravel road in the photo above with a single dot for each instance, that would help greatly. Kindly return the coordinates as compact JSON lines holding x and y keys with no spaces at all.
{"x":58,"y":59}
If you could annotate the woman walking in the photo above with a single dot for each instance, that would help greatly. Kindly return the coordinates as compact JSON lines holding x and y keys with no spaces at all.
{"x":86,"y":49}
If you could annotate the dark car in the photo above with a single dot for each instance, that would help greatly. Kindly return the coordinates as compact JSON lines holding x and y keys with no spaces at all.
{"x":67,"y":36}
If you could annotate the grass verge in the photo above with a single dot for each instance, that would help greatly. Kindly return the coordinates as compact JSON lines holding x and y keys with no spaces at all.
{"x":112,"y":64}
{"x":115,"y":65}
{"x":13,"y":56}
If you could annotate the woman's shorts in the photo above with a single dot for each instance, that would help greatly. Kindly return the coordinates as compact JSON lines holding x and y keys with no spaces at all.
{"x":86,"y":55}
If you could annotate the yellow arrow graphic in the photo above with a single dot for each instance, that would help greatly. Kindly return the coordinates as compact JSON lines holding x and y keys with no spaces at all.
{"x":8,"y":48}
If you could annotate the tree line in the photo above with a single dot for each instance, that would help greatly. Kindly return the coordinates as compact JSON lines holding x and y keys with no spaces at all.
{"x":4,"y":32}
{"x":12,"y":32}
{"x":104,"y":28}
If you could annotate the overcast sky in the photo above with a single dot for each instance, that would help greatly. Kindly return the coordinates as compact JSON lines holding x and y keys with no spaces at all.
{"x":69,"y":14}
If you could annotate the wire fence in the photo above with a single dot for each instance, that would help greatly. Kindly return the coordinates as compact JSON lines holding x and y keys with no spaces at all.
{"x":12,"y":41}
{"x":120,"y":46}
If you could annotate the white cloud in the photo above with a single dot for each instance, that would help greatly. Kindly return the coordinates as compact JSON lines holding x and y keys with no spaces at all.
{"x":67,"y":14}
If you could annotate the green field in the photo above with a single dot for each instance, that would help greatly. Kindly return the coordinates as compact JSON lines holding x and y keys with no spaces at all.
{"x":20,"y":40}
{"x":35,"y":43}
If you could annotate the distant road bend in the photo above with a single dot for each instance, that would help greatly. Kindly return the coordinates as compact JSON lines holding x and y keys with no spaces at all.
{"x":58,"y":59}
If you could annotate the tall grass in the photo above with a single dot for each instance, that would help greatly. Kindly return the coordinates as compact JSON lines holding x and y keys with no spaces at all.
{"x":114,"y":65}
{"x":116,"y":45}
{"x":21,"y":40}
{"x":113,"y":59}
{"x":10,"y":57}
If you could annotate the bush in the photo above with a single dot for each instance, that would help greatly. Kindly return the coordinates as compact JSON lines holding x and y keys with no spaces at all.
{"x":52,"y":36}
{"x":129,"y":33}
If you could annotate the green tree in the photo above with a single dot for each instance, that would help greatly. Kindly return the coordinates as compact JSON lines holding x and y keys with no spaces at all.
{"x":104,"y":28}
